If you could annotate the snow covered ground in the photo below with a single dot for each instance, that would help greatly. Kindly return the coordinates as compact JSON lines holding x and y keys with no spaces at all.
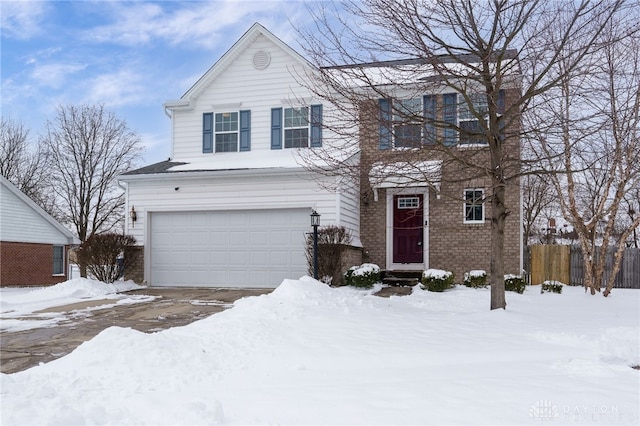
{"x":17,"y":303}
{"x":310,"y":354}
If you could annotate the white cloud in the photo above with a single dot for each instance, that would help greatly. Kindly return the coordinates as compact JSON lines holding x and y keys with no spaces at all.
{"x":199,"y":24}
{"x":55,"y":75}
{"x":22,"y":19}
{"x":124,"y":87}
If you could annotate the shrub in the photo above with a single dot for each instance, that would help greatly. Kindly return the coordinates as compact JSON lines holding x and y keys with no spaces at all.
{"x":108,"y":255}
{"x":333,"y":241}
{"x":551,"y":287}
{"x":475,"y":279}
{"x":514,"y":283}
{"x":365,"y":275}
{"x":437,"y":280}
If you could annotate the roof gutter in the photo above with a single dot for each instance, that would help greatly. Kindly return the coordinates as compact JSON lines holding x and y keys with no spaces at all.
{"x":281,"y":171}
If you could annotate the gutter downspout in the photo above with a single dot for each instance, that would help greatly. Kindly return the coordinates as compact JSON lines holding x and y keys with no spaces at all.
{"x":125,"y":187}
{"x":168,"y":114}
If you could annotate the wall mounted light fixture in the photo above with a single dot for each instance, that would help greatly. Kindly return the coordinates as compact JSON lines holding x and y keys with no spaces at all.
{"x":133,"y":215}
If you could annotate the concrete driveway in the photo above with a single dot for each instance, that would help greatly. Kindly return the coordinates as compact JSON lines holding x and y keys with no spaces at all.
{"x":166,"y":308}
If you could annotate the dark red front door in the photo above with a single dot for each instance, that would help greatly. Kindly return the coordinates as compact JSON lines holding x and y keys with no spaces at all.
{"x":408,"y":229}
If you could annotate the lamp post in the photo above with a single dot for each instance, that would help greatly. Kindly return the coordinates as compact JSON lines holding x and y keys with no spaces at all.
{"x":315,"y":222}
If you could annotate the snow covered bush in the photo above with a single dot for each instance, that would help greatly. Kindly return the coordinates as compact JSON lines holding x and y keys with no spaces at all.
{"x":551,"y":287}
{"x":365,"y":275}
{"x":333,"y":241}
{"x":108,"y":255}
{"x":437,"y":280}
{"x":475,"y":279}
{"x":514,"y":283}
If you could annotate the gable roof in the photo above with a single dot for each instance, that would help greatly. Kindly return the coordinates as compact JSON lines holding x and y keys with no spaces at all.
{"x":225,"y":60}
{"x":5,"y":184}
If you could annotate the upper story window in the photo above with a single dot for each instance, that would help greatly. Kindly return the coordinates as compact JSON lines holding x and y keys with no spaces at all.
{"x":226,"y":131}
{"x":407,"y":123}
{"x":447,"y":119}
{"x":296,"y":127}
{"x":471,"y":127}
{"x":474,"y":205}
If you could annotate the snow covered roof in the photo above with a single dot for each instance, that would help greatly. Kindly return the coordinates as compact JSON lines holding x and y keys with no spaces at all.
{"x":251,"y":161}
{"x":413,"y":70}
{"x":406,"y":174}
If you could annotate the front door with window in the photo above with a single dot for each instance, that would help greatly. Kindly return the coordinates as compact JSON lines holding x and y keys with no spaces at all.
{"x":408,"y":229}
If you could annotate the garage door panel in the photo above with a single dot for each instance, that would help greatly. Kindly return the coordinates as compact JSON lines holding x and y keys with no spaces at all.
{"x":279,"y":258}
{"x":258,"y":238}
{"x":199,"y":239}
{"x":279,"y":238}
{"x":259,"y":258}
{"x":220,"y":237}
{"x":200,"y":219}
{"x":238,"y":219}
{"x":238,"y":238}
{"x":228,"y":248}
{"x":219,"y":259}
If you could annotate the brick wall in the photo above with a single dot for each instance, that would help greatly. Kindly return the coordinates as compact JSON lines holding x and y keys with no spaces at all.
{"x":453,"y":245}
{"x":28,"y":264}
{"x":136,"y":271}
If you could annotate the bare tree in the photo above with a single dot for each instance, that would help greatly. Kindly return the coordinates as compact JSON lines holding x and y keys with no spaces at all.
{"x":460,"y":46}
{"x":594,"y":130}
{"x":538,"y":203}
{"x":632,"y":202}
{"x":23,"y":165}
{"x":89,"y":147}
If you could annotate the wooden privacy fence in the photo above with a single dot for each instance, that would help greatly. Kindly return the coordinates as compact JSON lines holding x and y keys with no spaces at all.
{"x":564,"y":264}
{"x":627,"y":277}
{"x":550,"y":262}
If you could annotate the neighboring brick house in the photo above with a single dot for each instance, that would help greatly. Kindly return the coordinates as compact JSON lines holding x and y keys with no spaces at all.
{"x":33,"y":245}
{"x":231,"y":206}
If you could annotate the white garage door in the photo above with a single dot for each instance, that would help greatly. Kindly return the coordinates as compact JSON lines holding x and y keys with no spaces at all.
{"x":239,"y":248}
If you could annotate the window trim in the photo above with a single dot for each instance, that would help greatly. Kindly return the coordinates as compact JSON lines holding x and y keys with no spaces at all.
{"x":397,"y":121}
{"x":60,"y":261}
{"x":298,"y":116}
{"x":313,"y":127}
{"x":225,"y":132}
{"x":463,"y":107}
{"x":474,"y":203}
{"x":209,"y":133}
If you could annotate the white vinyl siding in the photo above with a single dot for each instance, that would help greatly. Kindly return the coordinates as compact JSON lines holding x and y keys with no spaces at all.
{"x":21,"y":223}
{"x":261,"y":91}
{"x":258,"y":192}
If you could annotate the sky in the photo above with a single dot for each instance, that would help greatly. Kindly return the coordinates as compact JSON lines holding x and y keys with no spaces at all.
{"x":130,"y":56}
{"x":308,"y":353}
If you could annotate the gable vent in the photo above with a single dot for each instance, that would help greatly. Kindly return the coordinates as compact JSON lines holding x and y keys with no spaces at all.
{"x":261,"y":60}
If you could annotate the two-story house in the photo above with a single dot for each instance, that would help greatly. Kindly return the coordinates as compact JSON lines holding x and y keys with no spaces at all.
{"x":231,"y":206}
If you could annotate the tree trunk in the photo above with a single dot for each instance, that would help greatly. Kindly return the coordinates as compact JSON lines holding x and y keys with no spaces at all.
{"x":83,"y":269}
{"x":498,"y":217}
